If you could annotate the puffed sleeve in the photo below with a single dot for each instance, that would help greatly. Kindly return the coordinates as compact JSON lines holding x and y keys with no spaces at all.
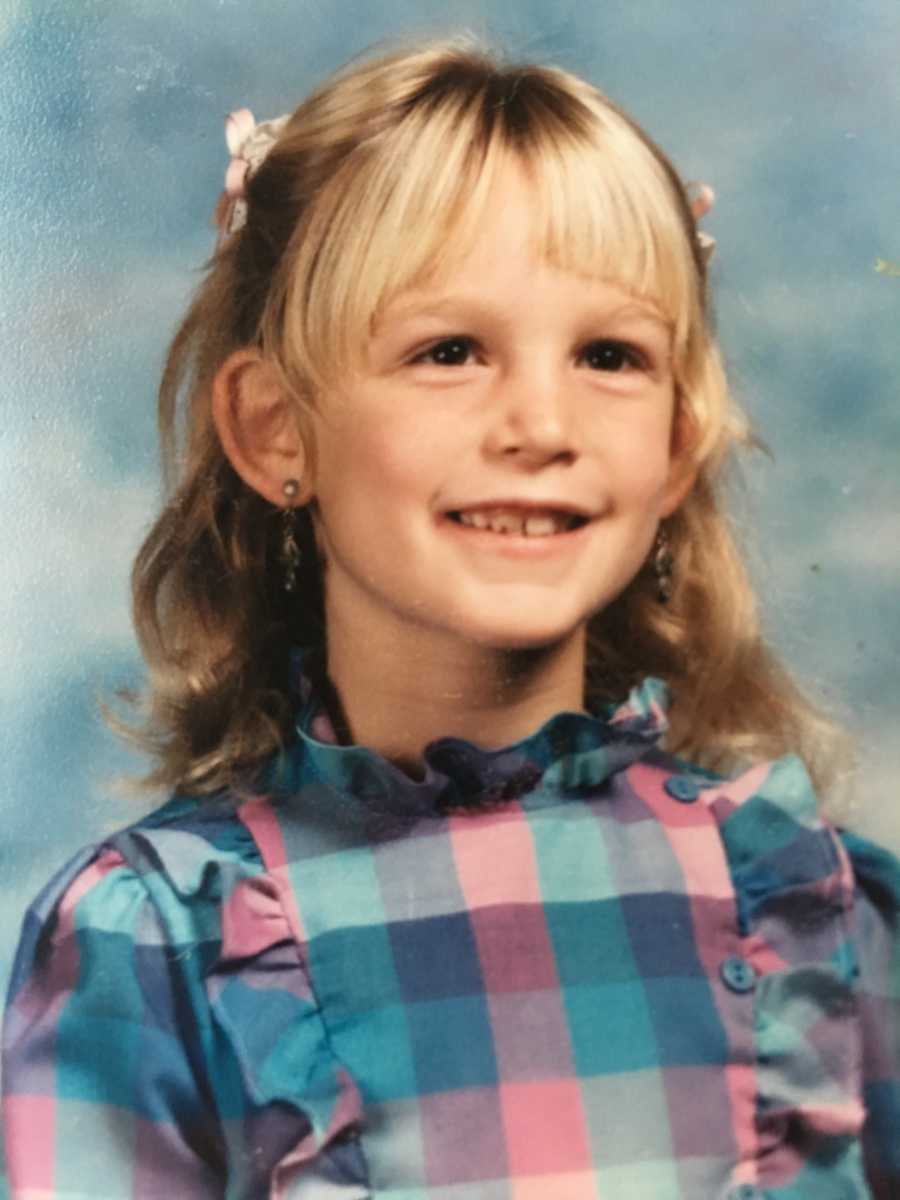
{"x":877,"y":908}
{"x":162,"y":1040}
{"x":104,"y":1090}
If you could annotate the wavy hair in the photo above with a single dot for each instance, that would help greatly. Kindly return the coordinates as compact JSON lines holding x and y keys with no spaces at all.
{"x":375,"y":182}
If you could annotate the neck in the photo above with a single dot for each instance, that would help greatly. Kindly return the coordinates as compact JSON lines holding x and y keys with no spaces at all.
{"x":398,"y":693}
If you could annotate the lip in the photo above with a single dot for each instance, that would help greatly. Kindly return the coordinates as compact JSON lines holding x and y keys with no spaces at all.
{"x":564,"y":506}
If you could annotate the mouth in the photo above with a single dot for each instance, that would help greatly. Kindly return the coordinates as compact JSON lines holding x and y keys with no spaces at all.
{"x":543,"y":523}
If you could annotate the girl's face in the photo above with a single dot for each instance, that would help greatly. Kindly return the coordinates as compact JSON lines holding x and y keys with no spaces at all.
{"x":507,"y":389}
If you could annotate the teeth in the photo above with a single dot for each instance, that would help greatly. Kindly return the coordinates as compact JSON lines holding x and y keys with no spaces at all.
{"x":515,"y":522}
{"x":541,"y":526}
{"x":507,"y":523}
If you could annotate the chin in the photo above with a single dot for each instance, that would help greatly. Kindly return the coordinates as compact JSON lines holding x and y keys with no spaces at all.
{"x":535,"y":620}
{"x":522,"y":635}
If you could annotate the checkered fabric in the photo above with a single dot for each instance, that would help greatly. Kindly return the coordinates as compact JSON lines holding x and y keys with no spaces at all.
{"x":573,"y":968}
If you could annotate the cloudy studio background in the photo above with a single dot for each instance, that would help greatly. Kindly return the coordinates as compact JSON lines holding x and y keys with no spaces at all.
{"x":111,"y":135}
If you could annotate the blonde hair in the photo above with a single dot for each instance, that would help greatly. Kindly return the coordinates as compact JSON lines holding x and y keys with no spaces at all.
{"x":374,"y":184}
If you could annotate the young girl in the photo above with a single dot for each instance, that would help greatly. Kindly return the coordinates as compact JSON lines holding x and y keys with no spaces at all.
{"x":489,"y":871}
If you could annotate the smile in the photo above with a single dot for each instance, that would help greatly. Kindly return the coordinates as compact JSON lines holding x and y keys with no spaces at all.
{"x":511,"y":522}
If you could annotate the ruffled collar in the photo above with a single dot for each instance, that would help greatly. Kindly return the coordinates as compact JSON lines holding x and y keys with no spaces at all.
{"x":570,"y":753}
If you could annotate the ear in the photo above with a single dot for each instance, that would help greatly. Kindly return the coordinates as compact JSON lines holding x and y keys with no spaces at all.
{"x":683,"y":469}
{"x":256,"y":420}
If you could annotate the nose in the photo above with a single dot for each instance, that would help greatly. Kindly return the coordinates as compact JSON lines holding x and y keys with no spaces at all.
{"x":532,"y":415}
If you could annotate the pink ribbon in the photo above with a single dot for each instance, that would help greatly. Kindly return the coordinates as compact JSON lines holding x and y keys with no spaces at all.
{"x":248,"y":145}
{"x":701,"y":203}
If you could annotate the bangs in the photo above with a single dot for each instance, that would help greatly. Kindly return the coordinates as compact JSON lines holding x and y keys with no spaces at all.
{"x":606,"y":212}
{"x":408,"y":205}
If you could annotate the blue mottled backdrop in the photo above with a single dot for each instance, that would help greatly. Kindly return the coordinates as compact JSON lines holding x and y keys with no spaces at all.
{"x":112,"y":148}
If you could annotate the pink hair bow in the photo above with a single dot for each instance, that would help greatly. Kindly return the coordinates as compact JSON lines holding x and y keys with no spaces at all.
{"x":702,"y":202}
{"x":248,"y":144}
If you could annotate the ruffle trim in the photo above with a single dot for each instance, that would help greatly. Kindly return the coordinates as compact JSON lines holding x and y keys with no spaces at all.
{"x":570,"y":753}
{"x":794,"y":886}
{"x":300,"y":1109}
{"x":261,"y":1001}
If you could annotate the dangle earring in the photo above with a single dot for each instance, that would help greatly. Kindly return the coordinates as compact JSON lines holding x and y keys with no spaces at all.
{"x":663,"y":564}
{"x":290,"y":551}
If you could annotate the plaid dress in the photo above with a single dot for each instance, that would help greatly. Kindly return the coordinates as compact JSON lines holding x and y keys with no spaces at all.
{"x":573,"y":969}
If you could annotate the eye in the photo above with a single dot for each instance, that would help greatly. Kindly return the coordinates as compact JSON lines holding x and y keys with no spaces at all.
{"x":607,"y":355}
{"x":451,"y":352}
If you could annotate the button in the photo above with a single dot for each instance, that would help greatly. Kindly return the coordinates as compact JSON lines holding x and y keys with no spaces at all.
{"x":682,"y":788}
{"x":738,"y":976}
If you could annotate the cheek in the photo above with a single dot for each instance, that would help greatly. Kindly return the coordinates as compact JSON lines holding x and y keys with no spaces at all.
{"x":372,"y":471}
{"x":350,"y":450}
{"x":404,"y":456}
{"x":641,"y":462}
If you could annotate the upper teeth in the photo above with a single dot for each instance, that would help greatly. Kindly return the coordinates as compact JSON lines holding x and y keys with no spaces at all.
{"x":516,"y":521}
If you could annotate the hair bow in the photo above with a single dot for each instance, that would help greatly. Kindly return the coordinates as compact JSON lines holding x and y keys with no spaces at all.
{"x":700,"y":206}
{"x":248,"y":144}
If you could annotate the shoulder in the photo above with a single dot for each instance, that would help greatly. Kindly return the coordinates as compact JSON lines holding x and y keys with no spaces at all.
{"x":772,"y":811}
{"x":877,"y":871}
{"x":876,"y":876}
{"x":749,"y":806}
{"x":767,"y":806}
{"x":161,"y":881}
{"x":195,"y":848}
{"x":777,"y":839}
{"x":763,"y":825}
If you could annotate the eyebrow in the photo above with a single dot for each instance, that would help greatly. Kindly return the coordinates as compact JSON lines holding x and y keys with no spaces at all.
{"x":470,"y":305}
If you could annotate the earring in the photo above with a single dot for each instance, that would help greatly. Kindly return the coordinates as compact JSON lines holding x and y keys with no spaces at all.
{"x":290,"y":551}
{"x":663,"y":564}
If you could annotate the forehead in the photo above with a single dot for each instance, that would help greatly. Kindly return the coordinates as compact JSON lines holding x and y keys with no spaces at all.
{"x":598,"y":207}
{"x":503,"y":242}
{"x":505,"y":223}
